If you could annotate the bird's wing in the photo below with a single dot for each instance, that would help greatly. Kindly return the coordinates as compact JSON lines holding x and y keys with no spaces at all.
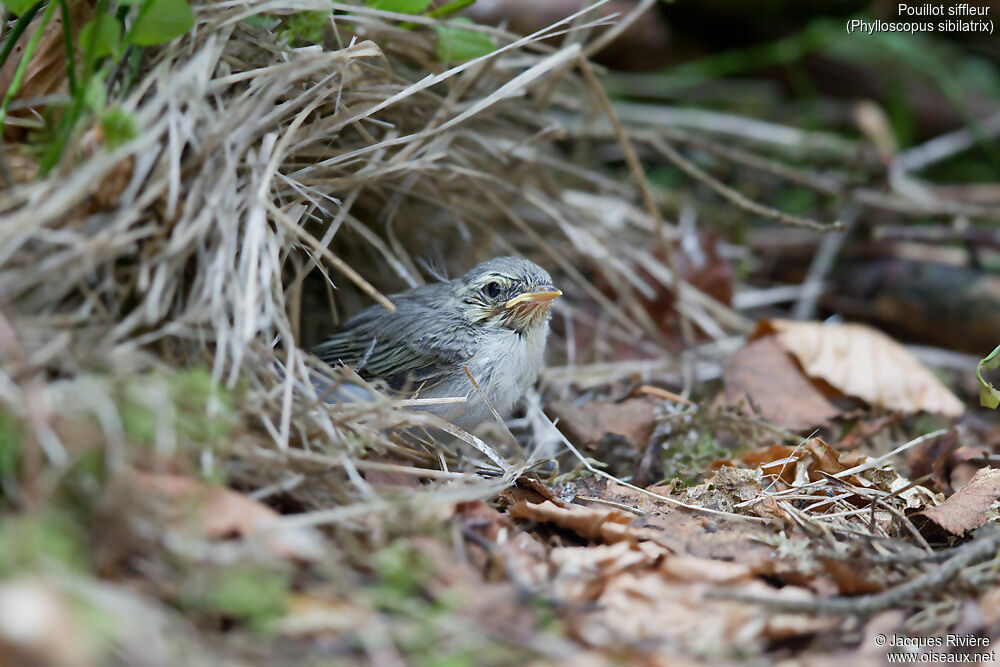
{"x":416,"y":346}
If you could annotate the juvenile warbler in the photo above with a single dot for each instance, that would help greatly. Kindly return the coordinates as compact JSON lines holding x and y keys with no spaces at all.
{"x":492,"y":321}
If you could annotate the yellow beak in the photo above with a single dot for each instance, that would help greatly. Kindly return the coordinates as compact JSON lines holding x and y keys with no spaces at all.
{"x":533,"y":297}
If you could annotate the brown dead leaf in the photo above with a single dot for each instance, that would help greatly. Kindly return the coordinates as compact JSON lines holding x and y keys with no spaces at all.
{"x":720,"y":463}
{"x":480,"y":513}
{"x":692,"y":568}
{"x":527,"y":490}
{"x":848,"y":580}
{"x":863,"y":362}
{"x":680,"y":531}
{"x":791,"y":626}
{"x":826,"y":460}
{"x":971,"y":507}
{"x":936,"y":458}
{"x":617,"y":433}
{"x":964,"y":465}
{"x":632,"y":419}
{"x":989,"y":606}
{"x":218,"y":513}
{"x":661,"y":489}
{"x":313,"y":616}
{"x":648,"y":607}
{"x":594,"y":524}
{"x":779,"y":460}
{"x":727,"y":487}
{"x":761,"y":376}
{"x":582,"y":573}
{"x":604,"y":489}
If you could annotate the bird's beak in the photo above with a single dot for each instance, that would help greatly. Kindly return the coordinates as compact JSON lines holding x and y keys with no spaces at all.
{"x":542,"y":296}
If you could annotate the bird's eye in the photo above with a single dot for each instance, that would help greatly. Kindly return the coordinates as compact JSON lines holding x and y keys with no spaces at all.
{"x":492,"y":290}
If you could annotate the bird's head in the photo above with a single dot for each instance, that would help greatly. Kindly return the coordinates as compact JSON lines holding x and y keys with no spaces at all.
{"x":509,"y":292}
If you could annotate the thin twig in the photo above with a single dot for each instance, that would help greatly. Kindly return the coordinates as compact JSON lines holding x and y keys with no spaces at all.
{"x":981,"y":548}
{"x":652,"y":209}
{"x":736,"y":198}
{"x":672,"y":501}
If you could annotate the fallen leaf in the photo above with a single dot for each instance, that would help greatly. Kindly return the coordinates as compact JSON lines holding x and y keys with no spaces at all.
{"x":989,"y":606}
{"x":632,"y":419}
{"x":618,"y":433}
{"x":727,"y":488}
{"x":966,"y":462}
{"x":582,"y":573}
{"x":863,"y":362}
{"x":762,"y":377}
{"x":662,"y":489}
{"x":791,"y":626}
{"x":696,"y":534}
{"x":971,"y":506}
{"x":527,"y":490}
{"x":635,"y":499}
{"x":600,"y":525}
{"x":665,"y":615}
{"x":692,"y":568}
{"x":936,"y":458}
{"x":778,"y":460}
{"x":849,"y":581}
{"x":826,"y":460}
{"x":482,"y":514}
{"x":217,"y":513}
{"x":313,"y":616}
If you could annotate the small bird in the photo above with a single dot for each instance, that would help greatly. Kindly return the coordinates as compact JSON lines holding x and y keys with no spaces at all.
{"x":493,"y":321}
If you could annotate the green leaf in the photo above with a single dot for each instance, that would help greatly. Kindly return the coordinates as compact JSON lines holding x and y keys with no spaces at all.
{"x":119,"y":128}
{"x":163,"y":21}
{"x":399,"y":6}
{"x":19,"y":6}
{"x":450,"y":8}
{"x":106,"y":32}
{"x":253,"y":595}
{"x":988,"y":395}
{"x":95,"y":95}
{"x":305,"y":26}
{"x":12,"y":439}
{"x":262,"y":21}
{"x":457,"y":44}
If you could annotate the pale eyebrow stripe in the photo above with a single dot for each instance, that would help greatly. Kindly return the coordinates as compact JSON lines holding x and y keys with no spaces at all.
{"x":486,"y":280}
